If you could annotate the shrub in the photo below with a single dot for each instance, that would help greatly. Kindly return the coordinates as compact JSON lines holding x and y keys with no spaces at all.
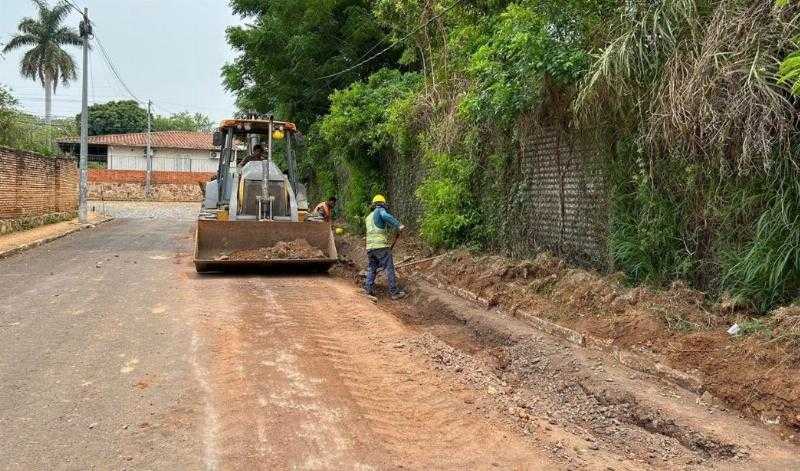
{"x":446,"y":199}
{"x":359,"y":133}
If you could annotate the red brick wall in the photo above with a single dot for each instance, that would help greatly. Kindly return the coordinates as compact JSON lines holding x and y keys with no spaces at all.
{"x":34,"y":185}
{"x":137,"y":176}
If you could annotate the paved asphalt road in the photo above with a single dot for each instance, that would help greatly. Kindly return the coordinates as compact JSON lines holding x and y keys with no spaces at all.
{"x":93,"y":374}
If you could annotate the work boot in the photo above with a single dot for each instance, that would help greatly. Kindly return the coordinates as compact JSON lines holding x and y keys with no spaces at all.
{"x":369,"y":295}
{"x":398,"y":295}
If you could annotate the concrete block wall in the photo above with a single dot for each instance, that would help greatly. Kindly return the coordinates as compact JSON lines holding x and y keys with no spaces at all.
{"x":555,"y":199}
{"x":406,"y":175}
{"x":562,"y":195}
{"x":33,"y":186}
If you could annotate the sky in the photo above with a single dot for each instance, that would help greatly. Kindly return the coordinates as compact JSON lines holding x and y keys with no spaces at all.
{"x":167,"y":51}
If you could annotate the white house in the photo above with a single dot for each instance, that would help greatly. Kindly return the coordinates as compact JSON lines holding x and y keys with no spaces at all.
{"x":176,"y":151}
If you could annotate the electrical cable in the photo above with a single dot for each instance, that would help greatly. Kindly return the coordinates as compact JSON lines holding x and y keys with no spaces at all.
{"x":69,"y":3}
{"x":113,"y":69}
{"x":106,"y":56}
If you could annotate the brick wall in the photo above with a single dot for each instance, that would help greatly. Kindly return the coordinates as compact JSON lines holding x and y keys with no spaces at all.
{"x":138,"y":176}
{"x":33,"y":185}
{"x":128,"y":185}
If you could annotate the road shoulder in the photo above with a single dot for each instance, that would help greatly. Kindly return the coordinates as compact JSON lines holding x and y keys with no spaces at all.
{"x":20,"y":241}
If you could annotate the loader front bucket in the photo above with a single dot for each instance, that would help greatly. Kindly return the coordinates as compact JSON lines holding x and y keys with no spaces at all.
{"x":216,"y":240}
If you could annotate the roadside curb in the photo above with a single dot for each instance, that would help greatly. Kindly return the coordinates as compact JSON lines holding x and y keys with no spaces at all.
{"x":627,"y":358}
{"x":43,"y":241}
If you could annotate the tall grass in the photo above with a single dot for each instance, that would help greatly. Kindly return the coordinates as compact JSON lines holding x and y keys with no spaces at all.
{"x":767,"y":271}
{"x":720,"y":97}
{"x":711,"y":191}
{"x":648,"y":227}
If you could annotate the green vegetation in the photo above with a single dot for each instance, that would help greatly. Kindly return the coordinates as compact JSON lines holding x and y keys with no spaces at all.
{"x":24,"y":131}
{"x":289,"y":48}
{"x":358,"y":132}
{"x":27,"y":132}
{"x":690,"y":104}
{"x":115,"y":117}
{"x":127,"y":116}
{"x":183,"y":121}
{"x":448,"y":217}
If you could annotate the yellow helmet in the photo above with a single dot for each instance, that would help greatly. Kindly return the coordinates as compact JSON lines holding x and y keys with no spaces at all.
{"x":378,"y":199}
{"x":277,"y":134}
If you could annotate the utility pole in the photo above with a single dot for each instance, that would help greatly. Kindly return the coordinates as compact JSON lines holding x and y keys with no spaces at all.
{"x":86,"y":31}
{"x":149,"y":157}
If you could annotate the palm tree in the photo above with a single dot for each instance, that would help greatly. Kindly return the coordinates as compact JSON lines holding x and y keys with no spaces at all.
{"x":46,"y":61}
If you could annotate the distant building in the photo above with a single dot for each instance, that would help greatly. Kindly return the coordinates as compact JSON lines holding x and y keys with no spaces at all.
{"x":173,"y":151}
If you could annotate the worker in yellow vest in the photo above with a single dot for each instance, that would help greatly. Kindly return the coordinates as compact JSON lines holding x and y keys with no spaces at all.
{"x":379,"y":252}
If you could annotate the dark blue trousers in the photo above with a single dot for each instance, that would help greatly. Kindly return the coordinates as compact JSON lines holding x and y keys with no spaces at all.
{"x":380,"y":258}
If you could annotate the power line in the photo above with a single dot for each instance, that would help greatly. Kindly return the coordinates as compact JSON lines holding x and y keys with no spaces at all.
{"x":26,"y":115}
{"x":387,"y":48}
{"x":69,"y":3}
{"x":106,"y":56}
{"x":112,"y":68}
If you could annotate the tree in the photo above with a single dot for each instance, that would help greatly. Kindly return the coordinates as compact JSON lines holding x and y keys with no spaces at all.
{"x":7,"y":118}
{"x":289,"y":48}
{"x":21,"y":130}
{"x":46,"y":61}
{"x":116,"y":117}
{"x":121,"y":117}
{"x":183,"y":121}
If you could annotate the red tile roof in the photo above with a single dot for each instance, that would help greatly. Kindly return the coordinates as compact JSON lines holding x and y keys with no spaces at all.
{"x":164,"y":139}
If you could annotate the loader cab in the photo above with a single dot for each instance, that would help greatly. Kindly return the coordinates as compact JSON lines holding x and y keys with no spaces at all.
{"x":247,"y":188}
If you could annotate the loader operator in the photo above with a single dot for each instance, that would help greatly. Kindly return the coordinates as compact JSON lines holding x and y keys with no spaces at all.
{"x":257,"y":155}
{"x":379,"y":251}
{"x":325,"y":209}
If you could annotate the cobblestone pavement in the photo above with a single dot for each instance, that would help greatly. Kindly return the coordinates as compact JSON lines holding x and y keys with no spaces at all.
{"x":147,"y":209}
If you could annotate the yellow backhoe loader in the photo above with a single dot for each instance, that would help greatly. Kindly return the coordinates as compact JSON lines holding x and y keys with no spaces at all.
{"x":254,"y":207}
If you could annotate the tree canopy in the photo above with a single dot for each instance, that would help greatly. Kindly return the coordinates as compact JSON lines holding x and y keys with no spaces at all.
{"x":116,"y":117}
{"x":287,"y":50}
{"x":122,"y":117}
{"x":46,"y":61}
{"x":183,"y":121}
{"x":25,"y":131}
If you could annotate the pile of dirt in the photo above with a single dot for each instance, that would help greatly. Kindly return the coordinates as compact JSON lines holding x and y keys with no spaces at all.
{"x":298,"y":249}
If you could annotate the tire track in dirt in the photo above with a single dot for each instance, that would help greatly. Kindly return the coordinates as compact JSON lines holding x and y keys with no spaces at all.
{"x":417,"y":419}
{"x":211,"y":425}
{"x":269,"y":413}
{"x":303,"y":373}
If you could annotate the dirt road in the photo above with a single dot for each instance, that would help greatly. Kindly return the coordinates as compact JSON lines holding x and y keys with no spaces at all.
{"x":114,"y":354}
